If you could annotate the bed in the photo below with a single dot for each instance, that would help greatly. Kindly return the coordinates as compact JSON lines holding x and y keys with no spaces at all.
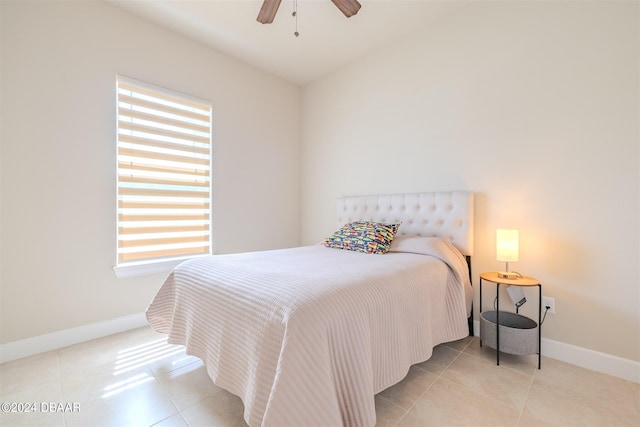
{"x":307,"y":336}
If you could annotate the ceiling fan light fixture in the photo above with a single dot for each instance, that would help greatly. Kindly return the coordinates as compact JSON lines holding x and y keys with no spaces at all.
{"x":270,"y":7}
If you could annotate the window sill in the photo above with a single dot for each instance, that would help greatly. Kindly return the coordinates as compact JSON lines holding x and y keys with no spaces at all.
{"x":148,"y":268}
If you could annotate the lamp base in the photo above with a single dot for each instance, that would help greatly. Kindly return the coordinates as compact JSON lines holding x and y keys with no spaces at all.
{"x":507,"y":275}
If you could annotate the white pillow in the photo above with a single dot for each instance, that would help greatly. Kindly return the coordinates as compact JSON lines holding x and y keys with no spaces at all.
{"x":415,"y":244}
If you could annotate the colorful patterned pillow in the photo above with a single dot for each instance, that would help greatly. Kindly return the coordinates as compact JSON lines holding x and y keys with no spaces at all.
{"x":363,"y":236}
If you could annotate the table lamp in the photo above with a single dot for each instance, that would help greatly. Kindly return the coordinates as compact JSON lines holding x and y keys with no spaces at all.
{"x":507,"y":251}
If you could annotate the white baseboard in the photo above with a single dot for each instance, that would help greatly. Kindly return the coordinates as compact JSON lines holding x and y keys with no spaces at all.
{"x":55,"y":340}
{"x":585,"y":358}
{"x":591,"y":359}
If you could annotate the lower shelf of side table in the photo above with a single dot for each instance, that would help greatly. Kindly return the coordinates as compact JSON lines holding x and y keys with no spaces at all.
{"x":518,"y":334}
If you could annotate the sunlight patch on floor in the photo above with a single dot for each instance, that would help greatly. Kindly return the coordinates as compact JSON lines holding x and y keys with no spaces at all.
{"x":143,"y":355}
{"x":137,"y":357}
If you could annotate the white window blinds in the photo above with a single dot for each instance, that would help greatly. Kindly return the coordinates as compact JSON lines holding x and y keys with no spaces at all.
{"x":164,"y":173}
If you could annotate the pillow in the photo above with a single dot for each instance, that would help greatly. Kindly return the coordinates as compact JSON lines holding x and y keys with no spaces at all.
{"x":363,"y":236}
{"x":415,"y":244}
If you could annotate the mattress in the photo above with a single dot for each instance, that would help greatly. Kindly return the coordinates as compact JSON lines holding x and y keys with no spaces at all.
{"x":307,"y":336}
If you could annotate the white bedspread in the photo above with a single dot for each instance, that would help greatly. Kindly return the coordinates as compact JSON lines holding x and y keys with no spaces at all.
{"x":307,"y":336}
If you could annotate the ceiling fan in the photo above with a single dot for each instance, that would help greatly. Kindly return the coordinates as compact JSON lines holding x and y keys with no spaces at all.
{"x":270,"y":7}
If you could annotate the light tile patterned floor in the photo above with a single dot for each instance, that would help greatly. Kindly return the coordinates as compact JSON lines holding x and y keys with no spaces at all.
{"x":136,"y":379}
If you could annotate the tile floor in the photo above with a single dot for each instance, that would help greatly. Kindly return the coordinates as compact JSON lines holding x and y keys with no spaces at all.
{"x":136,"y":379}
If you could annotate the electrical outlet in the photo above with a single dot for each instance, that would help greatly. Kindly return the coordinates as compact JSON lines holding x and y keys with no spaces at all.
{"x":549,"y":302}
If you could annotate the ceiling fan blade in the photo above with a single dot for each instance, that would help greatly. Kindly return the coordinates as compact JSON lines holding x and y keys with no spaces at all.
{"x":268,"y":11}
{"x":348,"y":7}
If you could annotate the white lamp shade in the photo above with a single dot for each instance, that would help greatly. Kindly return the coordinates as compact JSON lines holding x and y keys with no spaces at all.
{"x":507,"y":245}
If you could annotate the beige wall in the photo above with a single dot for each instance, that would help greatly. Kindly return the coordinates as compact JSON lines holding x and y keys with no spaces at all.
{"x":532,"y":105}
{"x":59,"y":62}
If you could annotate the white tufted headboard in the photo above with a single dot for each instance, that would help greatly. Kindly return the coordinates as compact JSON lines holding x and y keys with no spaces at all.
{"x":448,"y":215}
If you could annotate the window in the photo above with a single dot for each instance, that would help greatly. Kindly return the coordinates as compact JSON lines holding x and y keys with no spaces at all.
{"x":164,"y":174}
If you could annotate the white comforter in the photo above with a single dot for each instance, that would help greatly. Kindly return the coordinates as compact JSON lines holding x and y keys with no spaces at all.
{"x":307,"y":336}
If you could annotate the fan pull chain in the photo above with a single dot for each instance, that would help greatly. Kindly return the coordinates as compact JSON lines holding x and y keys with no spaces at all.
{"x":295,"y":15}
